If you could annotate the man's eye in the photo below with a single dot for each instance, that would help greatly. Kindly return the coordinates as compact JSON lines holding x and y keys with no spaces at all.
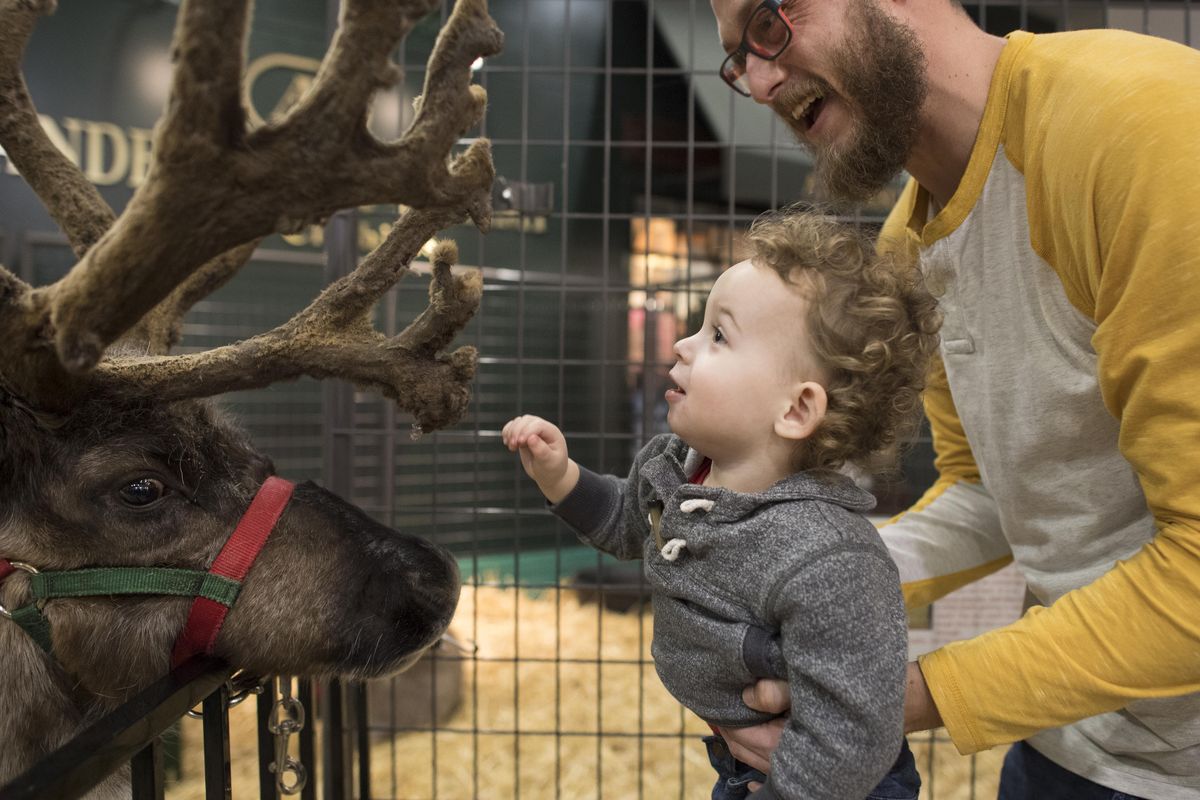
{"x":762,"y":27}
{"x":142,"y":492}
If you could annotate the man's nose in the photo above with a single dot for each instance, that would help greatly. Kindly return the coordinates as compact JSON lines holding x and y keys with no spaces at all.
{"x":763,"y":78}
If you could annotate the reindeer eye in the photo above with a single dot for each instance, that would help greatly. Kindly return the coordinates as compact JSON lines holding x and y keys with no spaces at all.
{"x":142,"y":492}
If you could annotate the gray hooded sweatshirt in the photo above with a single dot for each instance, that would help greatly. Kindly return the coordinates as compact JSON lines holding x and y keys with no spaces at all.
{"x":791,"y":583}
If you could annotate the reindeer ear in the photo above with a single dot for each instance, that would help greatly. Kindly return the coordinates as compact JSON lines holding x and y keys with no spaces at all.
{"x":805,"y":412}
{"x":42,"y":418}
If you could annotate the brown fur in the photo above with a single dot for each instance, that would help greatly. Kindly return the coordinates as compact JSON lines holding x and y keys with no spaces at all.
{"x":90,"y":403}
{"x":332,"y":591}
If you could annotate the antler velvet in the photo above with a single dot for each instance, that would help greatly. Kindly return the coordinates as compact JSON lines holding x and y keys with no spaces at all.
{"x":333,"y":337}
{"x":215,"y":188}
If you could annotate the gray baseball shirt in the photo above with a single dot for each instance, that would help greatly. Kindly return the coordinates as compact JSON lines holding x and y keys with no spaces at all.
{"x":790,"y":583}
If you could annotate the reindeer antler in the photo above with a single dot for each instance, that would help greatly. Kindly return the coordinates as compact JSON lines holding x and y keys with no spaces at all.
{"x":333,"y":337}
{"x":72,"y":200}
{"x":214,"y":189}
{"x":213,"y":186}
{"x":75,"y":205}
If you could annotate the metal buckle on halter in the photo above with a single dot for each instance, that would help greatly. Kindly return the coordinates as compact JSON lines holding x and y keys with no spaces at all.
{"x":21,"y":565}
{"x":241,"y":686}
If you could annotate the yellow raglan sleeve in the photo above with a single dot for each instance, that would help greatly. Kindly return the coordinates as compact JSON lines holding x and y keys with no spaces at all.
{"x":951,"y":536}
{"x":1114,"y":205}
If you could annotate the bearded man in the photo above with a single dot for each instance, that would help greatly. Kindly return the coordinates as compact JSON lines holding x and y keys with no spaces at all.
{"x":1055,"y":189}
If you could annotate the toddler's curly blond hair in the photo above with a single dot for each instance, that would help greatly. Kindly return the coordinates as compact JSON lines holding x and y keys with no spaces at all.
{"x":872,"y":325}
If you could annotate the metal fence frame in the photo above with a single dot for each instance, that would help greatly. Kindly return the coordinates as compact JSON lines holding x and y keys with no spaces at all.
{"x":131,"y":734}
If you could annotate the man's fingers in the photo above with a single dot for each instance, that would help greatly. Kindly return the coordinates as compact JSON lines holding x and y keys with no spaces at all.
{"x":754,"y":745}
{"x":767,"y":695}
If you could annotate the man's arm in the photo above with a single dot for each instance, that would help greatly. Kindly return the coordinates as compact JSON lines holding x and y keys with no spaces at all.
{"x":952,"y":535}
{"x":1116,"y":213}
{"x":754,"y":745}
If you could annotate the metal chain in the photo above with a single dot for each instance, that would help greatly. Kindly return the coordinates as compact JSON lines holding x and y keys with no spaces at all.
{"x":287,"y":720}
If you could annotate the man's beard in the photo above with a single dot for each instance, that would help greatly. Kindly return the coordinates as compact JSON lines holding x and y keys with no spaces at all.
{"x":881,"y":69}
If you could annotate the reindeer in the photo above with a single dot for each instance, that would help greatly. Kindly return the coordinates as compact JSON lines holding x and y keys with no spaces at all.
{"x":115,"y":463}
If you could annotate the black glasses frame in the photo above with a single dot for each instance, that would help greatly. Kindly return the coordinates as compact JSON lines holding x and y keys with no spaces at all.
{"x":733,"y":68}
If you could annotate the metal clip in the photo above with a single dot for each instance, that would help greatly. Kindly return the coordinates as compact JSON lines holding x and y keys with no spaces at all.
{"x":286,"y":720}
{"x":295,"y":768}
{"x":21,"y":565}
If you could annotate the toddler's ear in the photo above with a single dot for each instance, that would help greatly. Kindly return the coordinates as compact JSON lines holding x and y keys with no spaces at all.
{"x":805,"y":413}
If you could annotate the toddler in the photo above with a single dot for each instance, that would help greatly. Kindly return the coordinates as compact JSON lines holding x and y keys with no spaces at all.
{"x":811,"y":356}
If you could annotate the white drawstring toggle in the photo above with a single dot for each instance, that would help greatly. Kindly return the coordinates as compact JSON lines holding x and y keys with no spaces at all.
{"x":673,"y":548}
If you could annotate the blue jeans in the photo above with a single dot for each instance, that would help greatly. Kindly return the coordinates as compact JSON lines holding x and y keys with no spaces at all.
{"x":1029,"y":775}
{"x":734,"y":777}
{"x":902,"y":781}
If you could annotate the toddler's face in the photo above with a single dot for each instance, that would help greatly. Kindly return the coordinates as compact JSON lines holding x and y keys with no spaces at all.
{"x":736,"y":375}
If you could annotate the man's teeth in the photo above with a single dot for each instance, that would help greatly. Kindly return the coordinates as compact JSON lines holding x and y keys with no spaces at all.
{"x":802,"y":108}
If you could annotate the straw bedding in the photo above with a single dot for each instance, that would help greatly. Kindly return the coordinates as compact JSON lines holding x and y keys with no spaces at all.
{"x":552,"y":706}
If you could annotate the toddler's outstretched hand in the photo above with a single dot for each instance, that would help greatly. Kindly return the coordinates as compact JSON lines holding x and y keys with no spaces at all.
{"x":543,"y":452}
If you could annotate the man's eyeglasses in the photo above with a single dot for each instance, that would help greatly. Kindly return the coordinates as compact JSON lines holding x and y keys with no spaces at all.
{"x":767,"y":34}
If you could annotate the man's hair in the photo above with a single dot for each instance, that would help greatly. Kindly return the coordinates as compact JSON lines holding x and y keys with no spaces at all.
{"x":871,"y":323}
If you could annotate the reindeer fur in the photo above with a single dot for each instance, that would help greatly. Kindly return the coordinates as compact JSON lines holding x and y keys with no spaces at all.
{"x":91,"y":403}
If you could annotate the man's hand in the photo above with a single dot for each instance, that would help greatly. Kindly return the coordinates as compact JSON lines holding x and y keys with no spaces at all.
{"x":755,"y":744}
{"x":920,"y":712}
{"x":543,"y":455}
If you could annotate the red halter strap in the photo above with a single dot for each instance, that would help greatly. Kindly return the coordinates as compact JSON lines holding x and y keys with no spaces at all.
{"x":233,"y":562}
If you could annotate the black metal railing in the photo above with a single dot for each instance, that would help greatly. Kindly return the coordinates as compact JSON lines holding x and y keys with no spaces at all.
{"x":129,"y":735}
{"x":132,"y":737}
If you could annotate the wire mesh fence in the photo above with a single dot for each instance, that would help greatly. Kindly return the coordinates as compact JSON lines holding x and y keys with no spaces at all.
{"x":656,"y":169}
{"x":628,"y":172}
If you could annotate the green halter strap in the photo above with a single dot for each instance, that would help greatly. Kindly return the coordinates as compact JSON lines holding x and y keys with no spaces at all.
{"x":213,"y":591}
{"x":102,"y":581}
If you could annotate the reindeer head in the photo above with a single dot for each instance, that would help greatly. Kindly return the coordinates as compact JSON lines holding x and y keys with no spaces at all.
{"x":109,"y":454}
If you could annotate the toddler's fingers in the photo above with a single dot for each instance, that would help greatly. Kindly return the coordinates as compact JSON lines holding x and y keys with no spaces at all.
{"x":516,"y":430}
{"x":510,"y":433}
{"x":522,"y":431}
{"x":537,"y":447}
{"x":547,"y":431}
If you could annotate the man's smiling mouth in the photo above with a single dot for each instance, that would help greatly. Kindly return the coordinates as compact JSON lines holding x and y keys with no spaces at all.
{"x":808,"y":109}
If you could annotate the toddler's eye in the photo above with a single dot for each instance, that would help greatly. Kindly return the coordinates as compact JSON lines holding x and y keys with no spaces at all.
{"x":718,"y":336}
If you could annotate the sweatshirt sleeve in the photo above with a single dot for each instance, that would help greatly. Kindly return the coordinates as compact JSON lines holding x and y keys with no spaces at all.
{"x":605,"y":511}
{"x":844,"y":638}
{"x":598,"y":510}
{"x":1117,"y":213}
